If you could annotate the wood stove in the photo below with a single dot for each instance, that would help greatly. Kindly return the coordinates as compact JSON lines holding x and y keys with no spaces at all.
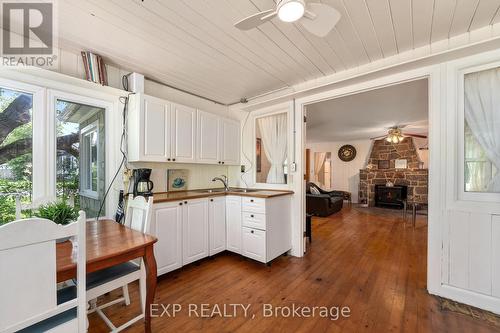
{"x":390,"y":196}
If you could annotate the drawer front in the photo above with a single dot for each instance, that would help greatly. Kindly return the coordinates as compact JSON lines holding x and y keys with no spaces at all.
{"x":254,"y":244}
{"x":253,"y":205}
{"x":254,"y":220}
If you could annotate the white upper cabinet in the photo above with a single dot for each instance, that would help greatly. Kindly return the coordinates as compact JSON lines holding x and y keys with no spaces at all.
{"x":184,"y":136}
{"x":148,"y":129}
{"x":230,"y":142}
{"x":161,"y":131}
{"x":208,"y":147}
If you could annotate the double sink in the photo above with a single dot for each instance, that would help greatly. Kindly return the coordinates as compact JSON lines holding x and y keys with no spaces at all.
{"x":221,"y":190}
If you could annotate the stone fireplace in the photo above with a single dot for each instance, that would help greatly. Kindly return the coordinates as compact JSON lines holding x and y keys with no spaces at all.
{"x":379,"y":173}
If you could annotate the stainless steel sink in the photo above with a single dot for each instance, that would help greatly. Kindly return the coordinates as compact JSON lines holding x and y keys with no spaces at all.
{"x":215,"y":190}
{"x":242,"y":190}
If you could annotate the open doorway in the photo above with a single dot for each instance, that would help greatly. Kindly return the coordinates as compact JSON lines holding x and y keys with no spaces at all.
{"x":373,"y":147}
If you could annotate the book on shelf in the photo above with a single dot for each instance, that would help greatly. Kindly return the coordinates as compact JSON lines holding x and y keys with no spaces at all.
{"x":95,"y":69}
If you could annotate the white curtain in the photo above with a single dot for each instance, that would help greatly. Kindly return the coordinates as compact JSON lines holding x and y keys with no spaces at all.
{"x":274,"y":139}
{"x":319,"y":161}
{"x":482,"y":113}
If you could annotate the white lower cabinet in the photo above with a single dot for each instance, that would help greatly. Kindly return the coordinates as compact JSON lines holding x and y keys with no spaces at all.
{"x":194,"y":230}
{"x":233,"y":223}
{"x":217,"y":225}
{"x":166,"y":225}
{"x":254,"y":244}
{"x":190,"y":230}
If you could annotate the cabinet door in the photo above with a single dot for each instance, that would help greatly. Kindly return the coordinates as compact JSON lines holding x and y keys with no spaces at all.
{"x":230,"y":142}
{"x":195,"y":230}
{"x":208,"y":145}
{"x":184,"y":133}
{"x":233,"y":224}
{"x":217,"y":224}
{"x":155,"y":130}
{"x":167,"y":227}
{"x":254,"y":244}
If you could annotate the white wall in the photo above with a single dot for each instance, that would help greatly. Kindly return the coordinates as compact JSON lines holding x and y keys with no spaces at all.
{"x":345,"y":175}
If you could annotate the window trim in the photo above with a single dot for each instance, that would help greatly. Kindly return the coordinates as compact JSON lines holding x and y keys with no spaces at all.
{"x":85,"y":176}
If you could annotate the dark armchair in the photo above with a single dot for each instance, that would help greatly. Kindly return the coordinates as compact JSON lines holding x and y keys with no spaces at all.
{"x":324,"y":204}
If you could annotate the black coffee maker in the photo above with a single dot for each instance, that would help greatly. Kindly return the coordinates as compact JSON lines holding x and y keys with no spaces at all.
{"x":142,"y":185}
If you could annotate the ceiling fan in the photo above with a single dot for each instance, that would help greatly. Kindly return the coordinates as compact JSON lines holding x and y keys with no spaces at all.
{"x":396,"y":135}
{"x":319,"y":19}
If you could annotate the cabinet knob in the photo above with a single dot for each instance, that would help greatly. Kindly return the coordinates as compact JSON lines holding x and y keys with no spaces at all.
{"x":219,"y":162}
{"x":251,"y":231}
{"x":168,"y":159}
{"x":173,"y":159}
{"x":211,"y":199}
{"x":180,"y":203}
{"x":222,"y":162}
{"x":251,"y":215}
{"x":185,"y":202}
{"x":251,"y":200}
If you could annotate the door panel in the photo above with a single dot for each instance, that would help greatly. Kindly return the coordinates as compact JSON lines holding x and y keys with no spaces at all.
{"x":217,"y":225}
{"x":167,"y":227}
{"x":195,"y":230}
{"x":156,"y":130}
{"x":184,"y":136}
{"x":208,"y":138}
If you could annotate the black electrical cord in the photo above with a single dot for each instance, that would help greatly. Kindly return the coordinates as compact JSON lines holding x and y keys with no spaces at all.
{"x":124,"y":100}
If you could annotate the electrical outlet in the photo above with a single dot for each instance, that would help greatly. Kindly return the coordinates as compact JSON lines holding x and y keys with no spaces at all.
{"x":242,"y":169}
{"x":293,"y":167}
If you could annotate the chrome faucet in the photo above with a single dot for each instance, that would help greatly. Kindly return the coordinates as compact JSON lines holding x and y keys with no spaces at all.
{"x":223,"y":179}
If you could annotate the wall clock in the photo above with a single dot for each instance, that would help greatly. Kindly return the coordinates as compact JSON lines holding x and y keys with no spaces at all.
{"x":347,"y":153}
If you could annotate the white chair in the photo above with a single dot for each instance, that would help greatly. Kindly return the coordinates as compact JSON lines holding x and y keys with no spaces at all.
{"x":138,"y":217}
{"x":30,"y":301}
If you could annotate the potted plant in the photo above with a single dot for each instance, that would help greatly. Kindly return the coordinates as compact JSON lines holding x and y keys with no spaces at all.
{"x":60,"y":212}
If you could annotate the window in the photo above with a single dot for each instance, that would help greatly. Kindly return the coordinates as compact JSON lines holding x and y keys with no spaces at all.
{"x":482,"y":131}
{"x":80,"y":159}
{"x":16,"y":151}
{"x":271,"y":149}
{"x":89,"y":172}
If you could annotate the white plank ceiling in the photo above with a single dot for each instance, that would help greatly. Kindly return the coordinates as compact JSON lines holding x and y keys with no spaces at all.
{"x":192,"y":44}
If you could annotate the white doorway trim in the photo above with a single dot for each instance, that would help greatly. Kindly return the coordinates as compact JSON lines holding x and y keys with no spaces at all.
{"x":436,"y":182}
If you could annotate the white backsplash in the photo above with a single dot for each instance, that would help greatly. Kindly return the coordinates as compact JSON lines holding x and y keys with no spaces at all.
{"x":199,"y":175}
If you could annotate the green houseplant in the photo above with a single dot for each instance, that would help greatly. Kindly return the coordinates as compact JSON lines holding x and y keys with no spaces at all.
{"x":60,"y":212}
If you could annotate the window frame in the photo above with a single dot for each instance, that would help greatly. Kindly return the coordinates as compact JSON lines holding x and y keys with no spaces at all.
{"x":460,"y":192}
{"x":85,"y":156}
{"x":39,"y":138}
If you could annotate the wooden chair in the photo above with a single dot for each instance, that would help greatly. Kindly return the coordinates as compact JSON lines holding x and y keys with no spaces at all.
{"x":30,"y":301}
{"x":138,"y":217}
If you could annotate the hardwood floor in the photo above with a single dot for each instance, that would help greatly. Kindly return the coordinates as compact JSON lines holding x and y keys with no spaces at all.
{"x":364,"y":259}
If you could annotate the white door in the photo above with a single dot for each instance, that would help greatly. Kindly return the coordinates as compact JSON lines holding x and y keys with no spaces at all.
{"x":166,"y":225}
{"x":184,"y":133}
{"x":195,"y":230}
{"x":233,"y":224}
{"x":156,"y":130}
{"x":208,"y":138}
{"x":217,"y":224}
{"x":230,"y":142}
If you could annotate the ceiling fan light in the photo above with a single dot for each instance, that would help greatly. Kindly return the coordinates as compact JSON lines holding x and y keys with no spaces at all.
{"x":291,"y":10}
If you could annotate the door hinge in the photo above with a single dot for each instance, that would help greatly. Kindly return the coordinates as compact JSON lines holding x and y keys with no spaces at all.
{"x":305,"y":119}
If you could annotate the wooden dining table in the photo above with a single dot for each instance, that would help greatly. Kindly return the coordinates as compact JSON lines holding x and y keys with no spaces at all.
{"x":110,"y":243}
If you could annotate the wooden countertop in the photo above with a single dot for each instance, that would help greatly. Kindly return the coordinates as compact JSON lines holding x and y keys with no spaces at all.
{"x":204,"y":193}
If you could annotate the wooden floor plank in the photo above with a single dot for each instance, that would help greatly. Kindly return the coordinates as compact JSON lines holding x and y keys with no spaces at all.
{"x":362,"y":258}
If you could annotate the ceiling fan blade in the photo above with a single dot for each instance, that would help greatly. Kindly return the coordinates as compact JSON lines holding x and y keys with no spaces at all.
{"x":255,"y":20}
{"x":415,"y":135}
{"x":320,"y":19}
